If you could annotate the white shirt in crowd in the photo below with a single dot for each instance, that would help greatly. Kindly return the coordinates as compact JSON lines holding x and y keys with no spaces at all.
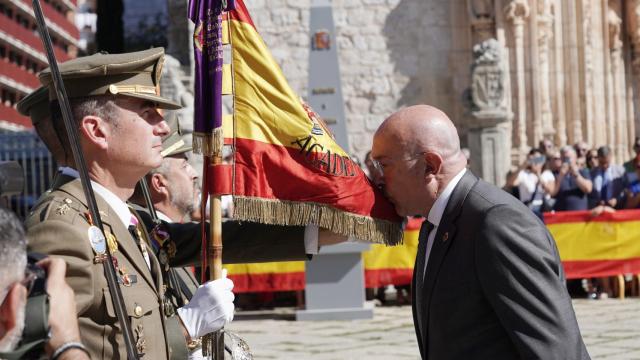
{"x":527,"y":182}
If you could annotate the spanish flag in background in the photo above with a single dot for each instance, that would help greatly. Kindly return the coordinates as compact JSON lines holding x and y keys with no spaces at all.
{"x":605,"y":245}
{"x":287,"y":169}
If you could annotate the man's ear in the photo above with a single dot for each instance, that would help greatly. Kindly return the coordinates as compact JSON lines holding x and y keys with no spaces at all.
{"x":16,"y":298}
{"x":158,"y":185}
{"x":433,"y":164}
{"x":95,"y":130}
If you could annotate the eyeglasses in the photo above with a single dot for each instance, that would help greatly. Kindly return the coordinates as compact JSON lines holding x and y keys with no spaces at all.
{"x":380,"y":167}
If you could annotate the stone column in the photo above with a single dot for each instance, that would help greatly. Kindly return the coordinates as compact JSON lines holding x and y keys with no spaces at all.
{"x":489,"y":128}
{"x":517,"y":11}
{"x":574,"y":105}
{"x":544,"y":19}
{"x":587,"y":56}
{"x":617,"y":73}
{"x":633,"y":10}
{"x":560,"y":106}
{"x":610,"y":102}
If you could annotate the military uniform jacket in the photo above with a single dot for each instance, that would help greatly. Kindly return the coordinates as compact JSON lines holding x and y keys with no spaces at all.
{"x":58,"y":226}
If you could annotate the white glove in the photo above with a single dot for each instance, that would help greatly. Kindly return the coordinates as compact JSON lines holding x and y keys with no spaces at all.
{"x":210,"y":308}
{"x":196,"y":355}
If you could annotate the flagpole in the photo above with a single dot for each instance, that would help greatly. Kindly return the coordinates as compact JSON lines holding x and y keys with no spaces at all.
{"x":208,"y":137}
{"x":215,"y":253}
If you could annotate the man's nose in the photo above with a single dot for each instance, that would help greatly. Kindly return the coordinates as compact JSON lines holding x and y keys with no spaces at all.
{"x":162,"y":128}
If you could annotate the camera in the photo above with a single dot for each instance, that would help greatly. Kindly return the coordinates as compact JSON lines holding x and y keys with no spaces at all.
{"x":538,"y":160}
{"x":36,"y":329}
{"x":36,"y":326}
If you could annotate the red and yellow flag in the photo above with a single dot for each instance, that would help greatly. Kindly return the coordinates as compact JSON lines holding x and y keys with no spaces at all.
{"x":383,"y":265}
{"x":606,"y":245}
{"x":288,"y":170}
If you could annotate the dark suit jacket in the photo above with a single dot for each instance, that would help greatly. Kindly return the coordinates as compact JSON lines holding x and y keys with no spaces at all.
{"x":494,"y":284}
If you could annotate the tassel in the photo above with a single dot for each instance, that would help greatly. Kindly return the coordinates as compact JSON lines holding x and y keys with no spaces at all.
{"x":208,"y":144}
{"x":293,"y":213}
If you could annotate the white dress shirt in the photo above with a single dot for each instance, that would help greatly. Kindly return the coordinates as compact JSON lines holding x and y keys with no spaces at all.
{"x":436,"y":212}
{"x":120,"y":207}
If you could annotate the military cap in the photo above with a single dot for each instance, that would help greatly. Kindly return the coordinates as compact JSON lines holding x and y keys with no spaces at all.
{"x":35,"y":106}
{"x":134,"y":74}
{"x":174,"y":144}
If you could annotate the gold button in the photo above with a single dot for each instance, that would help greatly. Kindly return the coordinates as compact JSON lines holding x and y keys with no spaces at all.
{"x":137,"y":310}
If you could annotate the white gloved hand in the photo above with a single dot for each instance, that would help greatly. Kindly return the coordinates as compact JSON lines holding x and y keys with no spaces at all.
{"x":210,"y":308}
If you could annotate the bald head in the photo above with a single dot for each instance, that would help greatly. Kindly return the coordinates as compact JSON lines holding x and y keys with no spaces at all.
{"x":423,"y":128}
{"x":418,"y":152}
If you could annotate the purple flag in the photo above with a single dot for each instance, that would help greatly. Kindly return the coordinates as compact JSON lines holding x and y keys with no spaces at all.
{"x":207,"y":48}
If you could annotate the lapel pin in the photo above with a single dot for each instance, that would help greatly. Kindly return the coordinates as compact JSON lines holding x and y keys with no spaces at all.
{"x":445,"y":236}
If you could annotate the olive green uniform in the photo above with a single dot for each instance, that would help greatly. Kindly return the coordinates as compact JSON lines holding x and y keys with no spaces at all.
{"x":59,"y":225}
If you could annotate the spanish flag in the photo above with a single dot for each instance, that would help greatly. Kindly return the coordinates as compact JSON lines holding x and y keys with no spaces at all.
{"x":287,"y":169}
{"x":385,"y":265}
{"x":606,"y":245}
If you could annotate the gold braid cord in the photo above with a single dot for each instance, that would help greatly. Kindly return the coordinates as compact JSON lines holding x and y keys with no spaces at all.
{"x":282,"y":212}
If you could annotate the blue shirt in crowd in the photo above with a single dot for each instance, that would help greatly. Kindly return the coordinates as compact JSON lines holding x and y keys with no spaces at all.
{"x":570,"y":197}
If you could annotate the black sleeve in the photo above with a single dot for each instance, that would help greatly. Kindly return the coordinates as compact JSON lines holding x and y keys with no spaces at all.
{"x":243,"y":242}
{"x":521,"y":276}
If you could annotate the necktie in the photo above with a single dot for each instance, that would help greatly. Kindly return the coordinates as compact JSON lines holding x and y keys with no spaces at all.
{"x":421,"y":258}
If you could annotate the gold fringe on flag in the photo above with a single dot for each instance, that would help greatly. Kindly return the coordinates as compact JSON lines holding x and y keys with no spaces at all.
{"x":208,"y":144}
{"x":294,"y":213}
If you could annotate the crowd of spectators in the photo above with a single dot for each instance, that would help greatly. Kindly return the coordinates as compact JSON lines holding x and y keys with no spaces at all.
{"x":577,"y":177}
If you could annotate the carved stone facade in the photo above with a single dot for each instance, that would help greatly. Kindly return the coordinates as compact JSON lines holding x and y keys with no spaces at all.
{"x":571,"y":67}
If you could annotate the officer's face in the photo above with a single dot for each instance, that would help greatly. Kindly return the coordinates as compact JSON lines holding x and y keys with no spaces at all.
{"x":138,"y":132}
{"x":181,"y":181}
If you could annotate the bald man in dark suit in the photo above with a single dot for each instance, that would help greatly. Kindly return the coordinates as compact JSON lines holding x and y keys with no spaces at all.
{"x":488,"y":282}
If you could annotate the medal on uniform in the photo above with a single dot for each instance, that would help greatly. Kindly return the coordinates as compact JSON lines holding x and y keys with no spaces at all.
{"x":98,"y":243}
{"x":124,"y":276}
{"x":112,"y":242}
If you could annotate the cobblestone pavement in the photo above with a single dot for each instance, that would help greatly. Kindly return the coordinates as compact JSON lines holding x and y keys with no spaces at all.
{"x":611,"y":330}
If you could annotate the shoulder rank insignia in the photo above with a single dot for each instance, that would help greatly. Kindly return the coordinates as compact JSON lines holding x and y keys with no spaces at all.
{"x":64,"y":207}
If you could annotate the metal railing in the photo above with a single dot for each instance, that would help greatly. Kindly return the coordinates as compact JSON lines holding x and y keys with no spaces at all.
{"x":39,"y":167}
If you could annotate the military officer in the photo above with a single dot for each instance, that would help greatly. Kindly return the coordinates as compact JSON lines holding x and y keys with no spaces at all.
{"x":114,"y":100}
{"x":172,"y":186}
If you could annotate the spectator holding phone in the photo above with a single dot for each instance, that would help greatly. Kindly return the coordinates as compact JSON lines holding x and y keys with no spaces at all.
{"x":573,"y":185}
{"x":533,"y":183}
